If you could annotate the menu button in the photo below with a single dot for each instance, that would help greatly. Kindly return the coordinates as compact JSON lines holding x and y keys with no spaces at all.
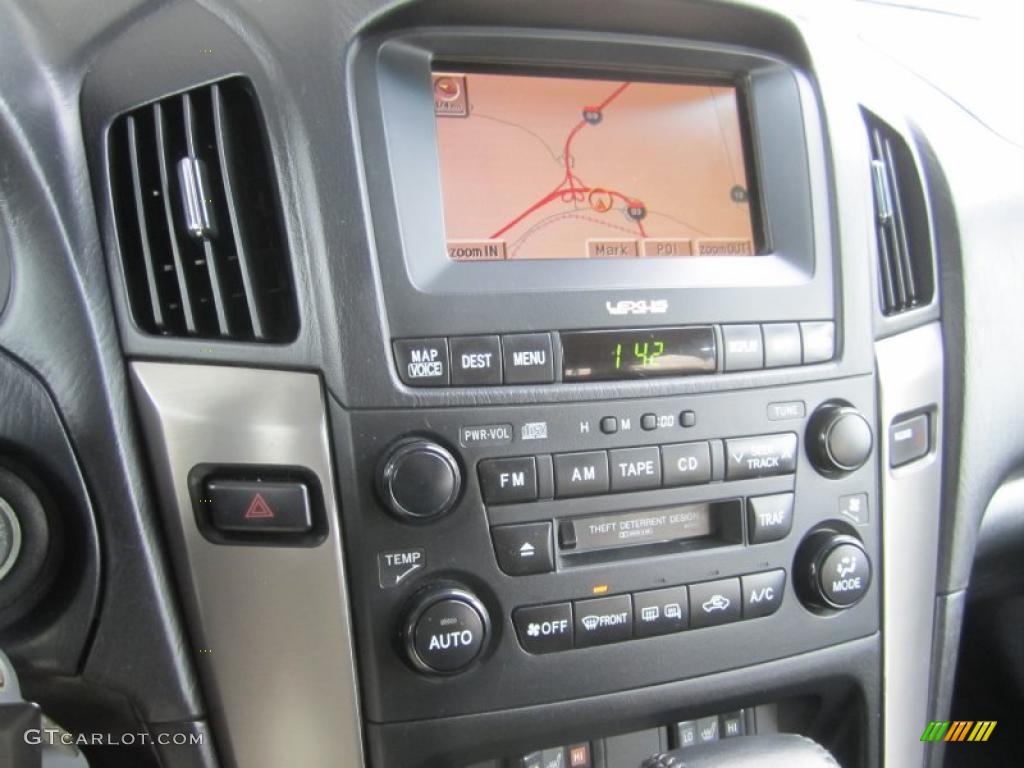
{"x":528,"y":358}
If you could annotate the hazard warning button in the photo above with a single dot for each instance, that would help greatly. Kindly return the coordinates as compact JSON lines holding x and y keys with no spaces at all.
{"x":254,"y":506}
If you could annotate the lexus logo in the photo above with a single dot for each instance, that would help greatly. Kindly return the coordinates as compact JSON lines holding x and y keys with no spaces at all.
{"x":638,"y":307}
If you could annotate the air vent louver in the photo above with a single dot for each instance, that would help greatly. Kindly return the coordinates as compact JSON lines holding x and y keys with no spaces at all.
{"x":901,"y":222}
{"x":198,"y":218}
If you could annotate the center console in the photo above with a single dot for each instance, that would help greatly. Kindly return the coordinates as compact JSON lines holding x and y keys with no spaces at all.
{"x":638,"y":441}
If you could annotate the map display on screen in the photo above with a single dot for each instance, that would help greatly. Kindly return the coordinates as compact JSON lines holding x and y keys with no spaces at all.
{"x":559,"y":168}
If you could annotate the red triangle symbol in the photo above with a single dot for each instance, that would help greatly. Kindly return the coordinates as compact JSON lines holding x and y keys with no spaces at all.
{"x":258,"y":508}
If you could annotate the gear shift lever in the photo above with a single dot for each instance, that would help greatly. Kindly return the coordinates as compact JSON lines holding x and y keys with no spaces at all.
{"x":788,"y":749}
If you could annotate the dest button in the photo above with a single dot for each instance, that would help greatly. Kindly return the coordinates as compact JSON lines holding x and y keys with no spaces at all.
{"x":476,"y":360}
{"x":544,"y":628}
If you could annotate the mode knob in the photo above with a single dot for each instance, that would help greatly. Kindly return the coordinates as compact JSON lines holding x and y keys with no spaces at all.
{"x":419,"y":480}
{"x":445,"y":631}
{"x":839,"y":439}
{"x":833,"y":570}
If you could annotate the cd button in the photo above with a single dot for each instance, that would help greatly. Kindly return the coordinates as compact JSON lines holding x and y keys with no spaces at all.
{"x":635,"y":469}
{"x":476,"y":360}
{"x":686,"y":464}
{"x":603,"y":620}
{"x":528,"y":358}
{"x":581,"y":474}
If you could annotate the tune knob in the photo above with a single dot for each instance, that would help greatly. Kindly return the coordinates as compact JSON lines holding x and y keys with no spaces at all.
{"x":419,"y":480}
{"x":832,"y":570}
{"x":445,"y":630}
{"x":839,"y":439}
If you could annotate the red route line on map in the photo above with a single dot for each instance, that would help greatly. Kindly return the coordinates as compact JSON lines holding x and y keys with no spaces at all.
{"x":576,"y":193}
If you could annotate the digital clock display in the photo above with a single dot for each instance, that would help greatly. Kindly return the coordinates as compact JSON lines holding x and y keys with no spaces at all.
{"x":637,"y":353}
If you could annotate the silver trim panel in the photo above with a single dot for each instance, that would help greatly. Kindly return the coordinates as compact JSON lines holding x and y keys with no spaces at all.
{"x":910,"y":369}
{"x":270,"y":625}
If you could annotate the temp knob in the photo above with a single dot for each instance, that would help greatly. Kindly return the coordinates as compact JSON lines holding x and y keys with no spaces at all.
{"x":832,"y":570}
{"x":419,"y":480}
{"x":445,"y":630}
{"x":839,"y":439}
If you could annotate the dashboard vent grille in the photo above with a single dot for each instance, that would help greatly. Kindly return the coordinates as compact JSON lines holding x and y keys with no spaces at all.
{"x":199,"y":219}
{"x":901,"y":222}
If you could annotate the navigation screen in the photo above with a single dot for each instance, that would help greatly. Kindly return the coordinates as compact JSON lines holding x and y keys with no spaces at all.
{"x":558,"y":168}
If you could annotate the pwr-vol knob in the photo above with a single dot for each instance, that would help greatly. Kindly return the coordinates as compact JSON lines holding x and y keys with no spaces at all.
{"x":419,"y":480}
{"x":445,"y":631}
{"x":839,"y":439}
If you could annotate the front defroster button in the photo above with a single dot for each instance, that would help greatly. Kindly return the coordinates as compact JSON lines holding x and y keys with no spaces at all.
{"x":603,"y":620}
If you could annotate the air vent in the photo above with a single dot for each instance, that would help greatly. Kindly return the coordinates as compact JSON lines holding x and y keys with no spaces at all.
{"x":901,"y":221}
{"x":199,"y":219}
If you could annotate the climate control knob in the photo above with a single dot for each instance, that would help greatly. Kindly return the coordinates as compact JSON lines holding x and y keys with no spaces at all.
{"x":419,"y":479}
{"x":445,"y":630}
{"x":839,"y":439}
{"x":832,"y":570}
